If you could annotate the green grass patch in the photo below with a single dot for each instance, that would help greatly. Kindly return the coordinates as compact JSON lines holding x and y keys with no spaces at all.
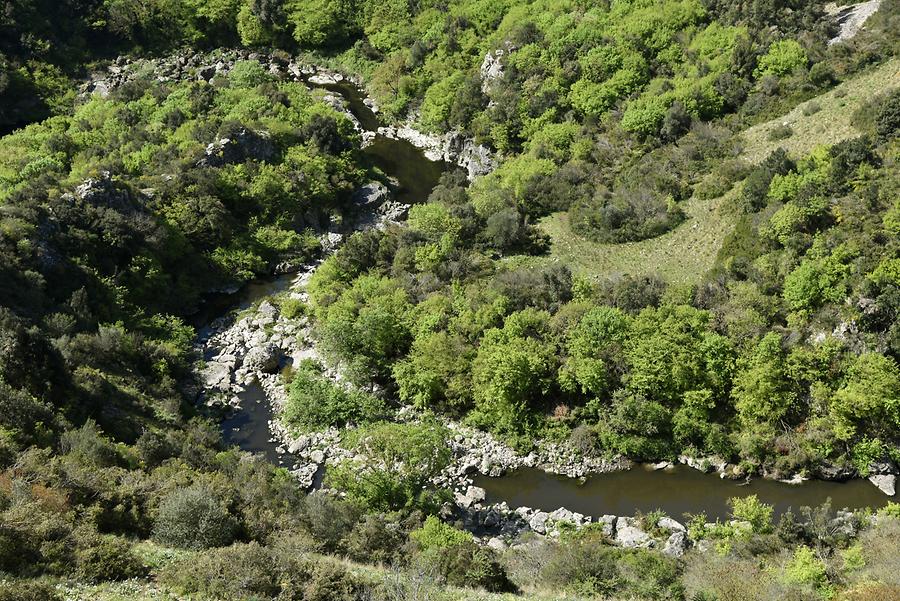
{"x":830,"y":124}
{"x":680,"y":256}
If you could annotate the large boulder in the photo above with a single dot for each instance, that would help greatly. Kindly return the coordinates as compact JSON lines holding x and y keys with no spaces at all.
{"x":676,"y":544}
{"x":886,"y":483}
{"x":103,"y":191}
{"x":216,"y":376}
{"x":837,"y":473}
{"x":244,"y":144}
{"x":538,"y":522}
{"x":264,"y":358}
{"x":630,"y":535}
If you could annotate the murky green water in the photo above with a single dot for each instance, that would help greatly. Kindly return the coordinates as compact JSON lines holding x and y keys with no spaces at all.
{"x":676,"y":492}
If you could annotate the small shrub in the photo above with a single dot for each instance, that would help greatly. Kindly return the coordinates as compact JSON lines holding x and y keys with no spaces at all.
{"x":751,"y":509}
{"x":806,"y":568}
{"x":242,"y":571}
{"x":456,"y":556}
{"x":378,"y":538}
{"x":887,"y":121}
{"x":435,"y":534}
{"x":107,"y":558}
{"x":28,"y":591}
{"x":780,"y":132}
{"x":890,"y":510}
{"x":811,"y":108}
{"x":194,"y":518}
{"x":293,"y":308}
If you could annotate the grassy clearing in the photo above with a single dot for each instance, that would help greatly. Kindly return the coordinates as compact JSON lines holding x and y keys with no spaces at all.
{"x":831,"y":124}
{"x":680,"y":256}
{"x":684,"y":254}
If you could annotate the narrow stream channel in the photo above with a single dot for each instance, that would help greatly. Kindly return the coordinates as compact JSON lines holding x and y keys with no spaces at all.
{"x":676,"y":491}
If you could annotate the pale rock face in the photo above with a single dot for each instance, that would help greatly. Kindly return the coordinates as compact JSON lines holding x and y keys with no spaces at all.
{"x":492,"y":66}
{"x":538,"y":522}
{"x":609,"y":525}
{"x":671,"y":525}
{"x":216,"y":376}
{"x":886,"y":483}
{"x":676,"y":544}
{"x":263,"y":358}
{"x":630,"y":536}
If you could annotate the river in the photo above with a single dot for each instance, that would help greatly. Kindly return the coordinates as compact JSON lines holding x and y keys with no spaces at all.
{"x":675,"y":491}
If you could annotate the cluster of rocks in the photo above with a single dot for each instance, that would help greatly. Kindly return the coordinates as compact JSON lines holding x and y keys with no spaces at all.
{"x":243,"y":145}
{"x":452,"y":147}
{"x":477,"y":452}
{"x":498,"y":526}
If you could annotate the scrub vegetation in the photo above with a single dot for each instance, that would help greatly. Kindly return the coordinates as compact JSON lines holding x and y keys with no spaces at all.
{"x":690,"y":246}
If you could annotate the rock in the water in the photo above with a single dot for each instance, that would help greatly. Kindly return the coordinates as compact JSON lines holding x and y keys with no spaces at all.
{"x":264,"y":358}
{"x":473,"y":495}
{"x":630,"y":536}
{"x":676,"y":544}
{"x":216,"y":376}
{"x":371,"y":194}
{"x":886,"y":483}
{"x":835,"y":473}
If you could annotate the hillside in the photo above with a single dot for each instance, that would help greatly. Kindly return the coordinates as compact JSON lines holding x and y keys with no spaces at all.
{"x":357,"y":300}
{"x":684,"y":254}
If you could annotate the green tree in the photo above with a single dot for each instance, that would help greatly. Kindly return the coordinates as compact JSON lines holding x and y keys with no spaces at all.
{"x":594,"y":347}
{"x":367,"y":327}
{"x":400,"y":461}
{"x":437,"y":373}
{"x":869,"y":399}
{"x":762,"y":389}
{"x":195,"y":517}
{"x":782,"y":58}
{"x":512,"y":371}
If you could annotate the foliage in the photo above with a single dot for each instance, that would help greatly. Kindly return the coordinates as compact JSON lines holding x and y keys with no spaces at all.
{"x":400,"y":460}
{"x":315,"y":402}
{"x":193,"y":518}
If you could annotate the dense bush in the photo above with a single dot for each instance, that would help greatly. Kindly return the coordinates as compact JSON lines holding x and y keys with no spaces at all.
{"x":455,"y":557}
{"x":195,"y":517}
{"x":315,"y":402}
{"x":28,"y":591}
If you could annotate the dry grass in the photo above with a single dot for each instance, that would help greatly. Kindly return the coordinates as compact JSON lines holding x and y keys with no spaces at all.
{"x":829,"y":125}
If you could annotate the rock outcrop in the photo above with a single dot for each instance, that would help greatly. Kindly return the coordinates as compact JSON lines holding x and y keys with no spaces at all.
{"x":244,"y":144}
{"x":452,"y":147}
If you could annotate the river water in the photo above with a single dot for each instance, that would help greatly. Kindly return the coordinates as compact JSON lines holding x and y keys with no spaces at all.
{"x":675,"y":491}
